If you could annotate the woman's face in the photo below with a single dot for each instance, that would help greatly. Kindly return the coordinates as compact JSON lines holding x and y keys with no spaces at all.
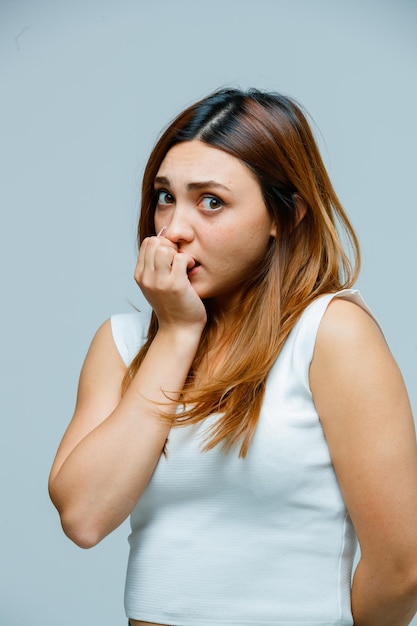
{"x":212,"y":208}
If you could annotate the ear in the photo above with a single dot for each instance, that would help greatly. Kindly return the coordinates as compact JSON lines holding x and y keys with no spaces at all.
{"x":273,"y":231}
{"x":300,"y":207}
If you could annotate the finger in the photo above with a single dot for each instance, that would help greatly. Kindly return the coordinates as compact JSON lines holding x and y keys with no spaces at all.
{"x":163,"y":259}
{"x":148,"y":250}
{"x":181,"y":262}
{"x":155,"y":255}
{"x":140,"y":264}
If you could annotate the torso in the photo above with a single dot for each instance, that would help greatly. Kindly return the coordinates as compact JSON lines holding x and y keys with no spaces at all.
{"x":286,"y":453}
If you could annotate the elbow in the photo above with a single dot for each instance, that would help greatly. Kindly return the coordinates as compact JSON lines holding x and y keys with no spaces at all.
{"x":396,"y":577}
{"x":403,"y":583}
{"x":80,"y":527}
{"x":405,"y":592}
{"x":404,"y":574}
{"x":80,"y":531}
{"x":81,"y":539}
{"x":409,"y":583}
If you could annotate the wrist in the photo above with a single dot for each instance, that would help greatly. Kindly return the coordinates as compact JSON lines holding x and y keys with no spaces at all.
{"x":180,"y":338}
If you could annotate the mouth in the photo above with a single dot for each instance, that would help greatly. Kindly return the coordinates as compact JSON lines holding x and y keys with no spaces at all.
{"x":190,"y":270}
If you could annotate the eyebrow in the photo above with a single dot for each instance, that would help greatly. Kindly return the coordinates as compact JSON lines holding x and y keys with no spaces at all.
{"x":205,"y":184}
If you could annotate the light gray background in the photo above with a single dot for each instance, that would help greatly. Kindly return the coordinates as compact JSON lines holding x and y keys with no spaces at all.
{"x":85,"y":89}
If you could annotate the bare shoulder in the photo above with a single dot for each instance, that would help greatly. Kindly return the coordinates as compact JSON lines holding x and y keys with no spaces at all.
{"x":351,"y":358}
{"x":350,"y":343}
{"x":99,"y":388}
{"x":366,"y":416}
{"x":103,"y":358}
{"x":99,"y":391}
{"x":344,"y":323}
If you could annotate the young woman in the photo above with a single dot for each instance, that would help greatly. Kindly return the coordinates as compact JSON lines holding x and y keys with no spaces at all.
{"x":256,"y":425}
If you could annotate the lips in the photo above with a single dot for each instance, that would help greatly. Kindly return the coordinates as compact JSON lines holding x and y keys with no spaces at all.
{"x":191,"y":269}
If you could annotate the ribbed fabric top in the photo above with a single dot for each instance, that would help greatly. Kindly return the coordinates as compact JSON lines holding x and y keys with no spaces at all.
{"x":266,"y":540}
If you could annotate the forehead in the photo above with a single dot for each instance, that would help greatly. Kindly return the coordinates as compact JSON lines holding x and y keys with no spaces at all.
{"x":195,"y":160}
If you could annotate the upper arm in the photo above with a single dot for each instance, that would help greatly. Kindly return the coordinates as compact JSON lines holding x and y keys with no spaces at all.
{"x":99,"y":392}
{"x":366,"y":416}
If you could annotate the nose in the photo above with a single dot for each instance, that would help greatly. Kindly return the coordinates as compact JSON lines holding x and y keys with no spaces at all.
{"x":179,"y":225}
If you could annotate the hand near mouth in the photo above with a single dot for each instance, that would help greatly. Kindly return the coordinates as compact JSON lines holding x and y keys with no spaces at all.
{"x":192,"y":266}
{"x":162,"y":274}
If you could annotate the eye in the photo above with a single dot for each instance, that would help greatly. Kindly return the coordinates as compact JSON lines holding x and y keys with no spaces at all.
{"x":163,"y":197}
{"x":212,"y":203}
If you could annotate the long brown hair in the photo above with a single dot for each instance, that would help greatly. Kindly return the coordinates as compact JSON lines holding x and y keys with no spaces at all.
{"x":270,"y":134}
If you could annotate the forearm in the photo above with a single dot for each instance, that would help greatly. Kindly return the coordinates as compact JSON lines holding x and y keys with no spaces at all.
{"x":380,"y":599}
{"x":102,"y":478}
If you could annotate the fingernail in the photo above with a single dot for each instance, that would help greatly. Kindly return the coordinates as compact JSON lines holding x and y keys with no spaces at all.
{"x":162,"y":231}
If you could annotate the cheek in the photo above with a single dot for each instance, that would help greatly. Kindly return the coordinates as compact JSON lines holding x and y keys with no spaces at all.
{"x":230,"y":237}
{"x":212,"y":242}
{"x":257,"y":241}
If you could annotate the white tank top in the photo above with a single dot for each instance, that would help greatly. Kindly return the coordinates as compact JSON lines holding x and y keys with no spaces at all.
{"x":262,"y":541}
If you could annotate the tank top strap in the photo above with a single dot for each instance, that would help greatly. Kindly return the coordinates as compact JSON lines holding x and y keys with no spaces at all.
{"x":299,"y":347}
